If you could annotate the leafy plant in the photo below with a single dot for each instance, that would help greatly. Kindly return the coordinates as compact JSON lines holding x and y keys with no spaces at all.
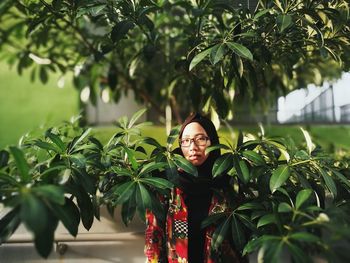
{"x":212,"y":55}
{"x":284,"y":200}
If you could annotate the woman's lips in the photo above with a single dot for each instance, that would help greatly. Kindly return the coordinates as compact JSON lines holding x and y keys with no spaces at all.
{"x":194,"y":157}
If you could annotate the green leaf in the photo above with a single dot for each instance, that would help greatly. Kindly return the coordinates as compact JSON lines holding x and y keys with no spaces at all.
{"x":284,"y":208}
{"x":4,"y":158}
{"x":21,"y":163}
{"x":56,"y":140}
{"x":152,"y":141}
{"x":51,"y":192}
{"x":279,"y":177}
{"x":129,"y":209}
{"x":298,"y":254}
{"x":86,"y":208}
{"x":249,"y":206}
{"x":304,"y":237}
{"x":68,"y":214}
{"x":213,"y":219}
{"x":174,"y":133}
{"x":124,"y":191}
{"x":157,"y":182}
{"x":222,"y":164}
{"x":241,"y":169}
{"x":266,"y":220}
{"x":135,"y":117}
{"x":77,"y":140}
{"x":328,"y":181}
{"x":33,"y":213}
{"x":81,"y":177}
{"x":215,"y":147}
{"x":8,"y":224}
{"x":283,"y":22}
{"x":43,"y":75}
{"x":120,"y":30}
{"x":44,"y":241}
{"x":238,"y":235}
{"x":199,"y":57}
{"x":185,"y":165}
{"x":131,"y":157}
{"x":341,"y":177}
{"x":240,"y":50}
{"x":220,"y":233}
{"x":151,"y":167}
{"x":302,"y":196}
{"x":217,"y":52}
{"x":143,"y":200}
{"x":46,"y":146}
{"x":254,"y":157}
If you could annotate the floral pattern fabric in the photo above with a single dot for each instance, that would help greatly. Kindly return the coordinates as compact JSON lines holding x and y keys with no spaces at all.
{"x":168,"y":242}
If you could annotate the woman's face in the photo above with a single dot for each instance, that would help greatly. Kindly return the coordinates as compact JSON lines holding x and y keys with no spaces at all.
{"x":197,"y":138}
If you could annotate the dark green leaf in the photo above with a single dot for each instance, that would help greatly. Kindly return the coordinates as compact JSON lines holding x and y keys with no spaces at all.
{"x":21,"y":163}
{"x":43,"y":75}
{"x":51,"y":192}
{"x":46,"y":146}
{"x":298,"y":254}
{"x":254,"y":157}
{"x":174,"y":133}
{"x":266,"y":220}
{"x":213,"y":219}
{"x":34,"y":213}
{"x":329,"y":181}
{"x":78,"y":139}
{"x":120,"y":30}
{"x":199,"y":57}
{"x":185,"y":165}
{"x":217,"y":52}
{"x":283,"y":22}
{"x":341,"y":177}
{"x":4,"y":158}
{"x":129,"y":209}
{"x":240,"y":50}
{"x":220,"y":233}
{"x":68,"y":214}
{"x":284,"y":208}
{"x":151,"y":167}
{"x":44,"y":241}
{"x":238,"y":235}
{"x":56,"y":140}
{"x":241,"y":169}
{"x":305,"y":237}
{"x":143,"y":200}
{"x":157,"y":182}
{"x":222,"y":164}
{"x":8,"y":224}
{"x":279,"y":176}
{"x":81,"y":177}
{"x":124,"y":191}
{"x":86,"y":209}
{"x":302,"y":196}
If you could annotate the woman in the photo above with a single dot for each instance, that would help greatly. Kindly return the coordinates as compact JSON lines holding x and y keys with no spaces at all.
{"x":180,"y":238}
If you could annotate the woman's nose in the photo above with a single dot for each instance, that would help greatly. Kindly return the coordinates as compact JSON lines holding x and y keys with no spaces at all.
{"x":193,"y":145}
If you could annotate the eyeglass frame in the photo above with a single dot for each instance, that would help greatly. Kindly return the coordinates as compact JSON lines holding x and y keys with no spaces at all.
{"x":193,"y":140}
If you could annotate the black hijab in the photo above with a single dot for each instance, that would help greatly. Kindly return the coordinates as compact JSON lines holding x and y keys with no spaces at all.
{"x":205,"y":182}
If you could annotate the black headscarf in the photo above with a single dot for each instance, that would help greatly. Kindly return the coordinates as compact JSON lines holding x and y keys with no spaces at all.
{"x":205,"y":182}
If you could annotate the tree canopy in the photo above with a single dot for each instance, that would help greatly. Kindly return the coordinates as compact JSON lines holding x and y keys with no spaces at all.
{"x":186,"y":54}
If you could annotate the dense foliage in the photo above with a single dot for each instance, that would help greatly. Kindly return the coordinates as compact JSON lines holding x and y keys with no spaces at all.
{"x":194,"y":54}
{"x":293,"y":200}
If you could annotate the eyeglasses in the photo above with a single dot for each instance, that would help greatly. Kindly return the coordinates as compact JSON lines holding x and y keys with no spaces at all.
{"x":199,"y":140}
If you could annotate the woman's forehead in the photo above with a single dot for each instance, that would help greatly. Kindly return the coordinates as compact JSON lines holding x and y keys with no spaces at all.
{"x":193,"y":129}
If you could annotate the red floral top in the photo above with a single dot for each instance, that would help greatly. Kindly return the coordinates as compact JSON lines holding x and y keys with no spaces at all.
{"x":169,"y":243}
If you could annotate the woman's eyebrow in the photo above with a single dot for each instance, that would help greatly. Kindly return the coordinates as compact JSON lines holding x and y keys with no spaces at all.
{"x":188,"y":136}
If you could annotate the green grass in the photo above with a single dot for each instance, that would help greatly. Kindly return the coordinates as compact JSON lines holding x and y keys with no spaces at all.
{"x":25,"y":106}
